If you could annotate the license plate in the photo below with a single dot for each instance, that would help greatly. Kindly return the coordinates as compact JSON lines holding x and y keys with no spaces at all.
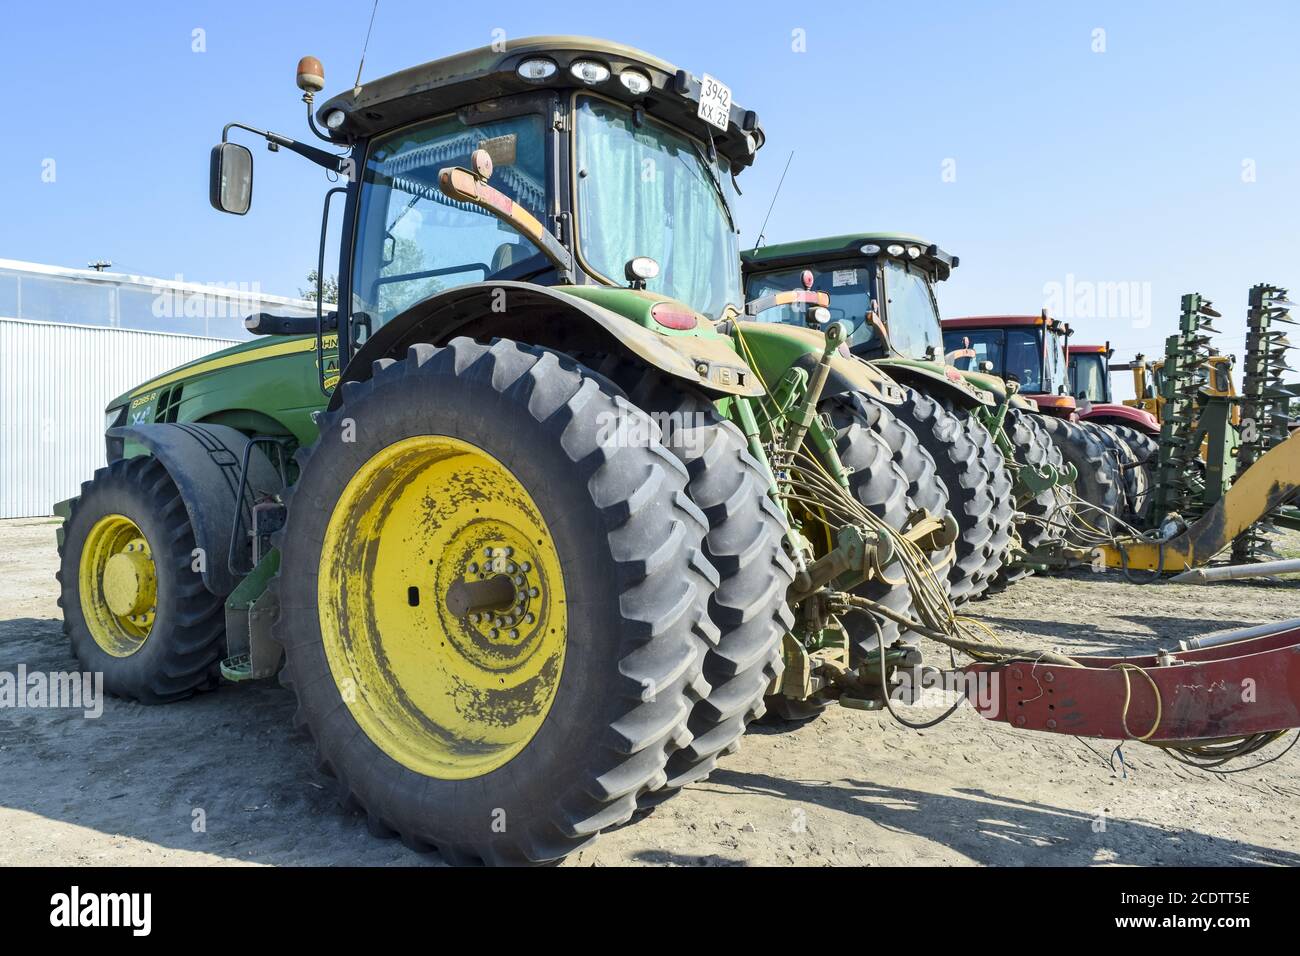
{"x":715,"y":102}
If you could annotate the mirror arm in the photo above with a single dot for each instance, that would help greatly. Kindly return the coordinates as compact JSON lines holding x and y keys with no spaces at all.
{"x":463,"y":186}
{"x":335,"y":164}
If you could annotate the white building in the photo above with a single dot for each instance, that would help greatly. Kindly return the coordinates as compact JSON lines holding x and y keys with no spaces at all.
{"x":73,"y":339}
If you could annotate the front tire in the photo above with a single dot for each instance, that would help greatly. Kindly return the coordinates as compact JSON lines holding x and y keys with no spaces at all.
{"x":134,"y":607}
{"x":516,"y":736}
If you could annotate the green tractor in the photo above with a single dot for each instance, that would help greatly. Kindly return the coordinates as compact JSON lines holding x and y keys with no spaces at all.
{"x":536,"y":522}
{"x":998,"y":465}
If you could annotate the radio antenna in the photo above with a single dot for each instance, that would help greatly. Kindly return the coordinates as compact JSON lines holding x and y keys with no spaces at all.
{"x":356,"y":87}
{"x":779,"y":184}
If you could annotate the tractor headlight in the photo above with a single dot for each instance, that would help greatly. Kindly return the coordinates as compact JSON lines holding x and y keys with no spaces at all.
{"x":334,"y":119}
{"x":114,"y":416}
{"x":589,"y":71}
{"x":536,"y":69}
{"x":634,"y":82}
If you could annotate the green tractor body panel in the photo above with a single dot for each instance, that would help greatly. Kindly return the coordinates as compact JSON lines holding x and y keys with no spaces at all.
{"x":636,"y":304}
{"x":773,"y":349}
{"x":267,"y":386}
{"x":967,"y":388}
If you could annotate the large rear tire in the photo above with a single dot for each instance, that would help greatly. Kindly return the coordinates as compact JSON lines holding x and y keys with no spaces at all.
{"x":1140,"y":478}
{"x":134,"y":607}
{"x":1039,"y":523}
{"x":979,"y":488}
{"x":745,"y":544}
{"x":876,"y":485}
{"x":510,"y":735}
{"x":1098,"y":483}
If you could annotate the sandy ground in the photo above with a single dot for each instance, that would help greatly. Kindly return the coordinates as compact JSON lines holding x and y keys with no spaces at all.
{"x":848,"y":788}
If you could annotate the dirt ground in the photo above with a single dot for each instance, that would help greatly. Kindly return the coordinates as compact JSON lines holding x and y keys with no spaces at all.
{"x":848,"y":788}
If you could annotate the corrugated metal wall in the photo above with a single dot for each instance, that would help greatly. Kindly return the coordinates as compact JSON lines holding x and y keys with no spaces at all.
{"x":55,"y":380}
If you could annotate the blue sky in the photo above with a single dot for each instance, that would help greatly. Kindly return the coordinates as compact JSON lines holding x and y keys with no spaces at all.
{"x":1170,"y":160}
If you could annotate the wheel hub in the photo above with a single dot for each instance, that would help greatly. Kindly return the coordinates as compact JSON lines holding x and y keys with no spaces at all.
{"x":130,"y":583}
{"x":442,"y":607}
{"x":118,"y":582}
{"x":511,"y":621}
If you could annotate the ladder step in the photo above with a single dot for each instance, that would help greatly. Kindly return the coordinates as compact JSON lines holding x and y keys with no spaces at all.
{"x":237,"y":668}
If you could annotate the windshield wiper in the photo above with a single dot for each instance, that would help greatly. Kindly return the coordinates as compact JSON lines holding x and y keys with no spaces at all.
{"x":717,"y":184}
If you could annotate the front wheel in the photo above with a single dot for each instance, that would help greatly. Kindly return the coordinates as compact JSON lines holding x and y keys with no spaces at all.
{"x":134,"y":606}
{"x":494,"y":602}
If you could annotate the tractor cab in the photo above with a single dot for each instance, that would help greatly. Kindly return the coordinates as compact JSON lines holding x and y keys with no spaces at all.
{"x":1029,"y":350}
{"x":880,"y":284}
{"x":1090,"y":373}
{"x":1090,"y":385}
{"x":558,"y":161}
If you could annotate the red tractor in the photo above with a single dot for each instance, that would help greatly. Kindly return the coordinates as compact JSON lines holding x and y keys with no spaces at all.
{"x":1026,"y":349}
{"x":1115,"y":458}
{"x":1090,"y":385}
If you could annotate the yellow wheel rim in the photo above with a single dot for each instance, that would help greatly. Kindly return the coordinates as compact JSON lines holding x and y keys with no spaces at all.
{"x":118,"y":582}
{"x":448,"y":690}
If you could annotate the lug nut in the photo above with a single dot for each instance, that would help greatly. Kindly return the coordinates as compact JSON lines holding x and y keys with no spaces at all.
{"x":525,"y":567}
{"x":473,"y":568}
{"x":530,"y":618}
{"x":519,"y":579}
{"x":494,"y":633}
{"x":533,"y":592}
{"x":514,"y":634}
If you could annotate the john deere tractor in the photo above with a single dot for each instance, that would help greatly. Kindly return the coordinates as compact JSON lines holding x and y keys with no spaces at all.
{"x":535,"y":521}
{"x":999,"y":469}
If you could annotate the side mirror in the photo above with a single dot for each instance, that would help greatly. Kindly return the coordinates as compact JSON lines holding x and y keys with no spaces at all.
{"x":230,"y":178}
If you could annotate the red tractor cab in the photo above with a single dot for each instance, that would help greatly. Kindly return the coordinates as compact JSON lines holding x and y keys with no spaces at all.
{"x":1027,"y":349}
{"x":1090,"y":386}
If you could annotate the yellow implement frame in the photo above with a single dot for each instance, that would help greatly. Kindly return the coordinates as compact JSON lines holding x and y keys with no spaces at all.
{"x":1267,"y":483}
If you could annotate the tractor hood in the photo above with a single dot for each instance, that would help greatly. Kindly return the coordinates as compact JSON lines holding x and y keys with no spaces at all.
{"x":771,"y":349}
{"x":251,"y":351}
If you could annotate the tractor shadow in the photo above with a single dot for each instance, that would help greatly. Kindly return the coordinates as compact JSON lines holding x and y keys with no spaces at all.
{"x":221,"y":777}
{"x":1118,"y":641}
{"x":995,"y":830}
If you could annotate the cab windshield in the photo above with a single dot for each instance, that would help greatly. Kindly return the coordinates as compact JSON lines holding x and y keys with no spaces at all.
{"x":1089,"y":378}
{"x":413,"y":241}
{"x":908,"y":311}
{"x":848,"y":284}
{"x":646,"y":190}
{"x":1015,"y":353}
